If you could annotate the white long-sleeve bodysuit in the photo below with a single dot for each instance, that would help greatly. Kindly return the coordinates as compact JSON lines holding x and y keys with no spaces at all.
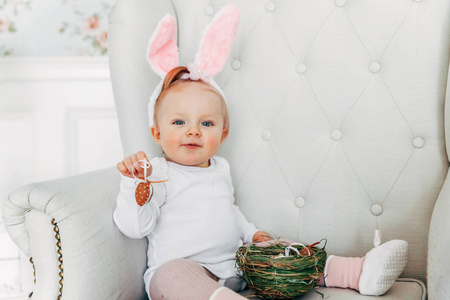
{"x":192,"y":216}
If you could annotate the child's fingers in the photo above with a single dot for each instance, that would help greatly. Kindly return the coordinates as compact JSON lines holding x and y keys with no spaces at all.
{"x":131,"y":166}
{"x":128,"y":162}
{"x":265,"y":236}
{"x":141,"y":155}
{"x":261,"y":236}
{"x":139,"y":165}
{"x":135,"y":166}
{"x":123,"y":169}
{"x":140,"y":169}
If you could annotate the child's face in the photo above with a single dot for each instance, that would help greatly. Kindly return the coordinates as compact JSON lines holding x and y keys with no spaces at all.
{"x":190,"y":125}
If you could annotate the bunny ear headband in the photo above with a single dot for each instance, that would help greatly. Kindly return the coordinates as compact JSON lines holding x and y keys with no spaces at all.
{"x":215,"y":47}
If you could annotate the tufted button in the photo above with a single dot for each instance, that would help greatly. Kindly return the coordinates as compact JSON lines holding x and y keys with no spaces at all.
{"x":375,"y":67}
{"x":418,"y":142}
{"x":236,"y":64}
{"x":270,"y":6}
{"x":300,"y":68}
{"x":266,"y":135}
{"x":376,"y":209}
{"x":299,"y":202}
{"x":340,"y":3}
{"x":209,"y":10}
{"x":417,"y":1}
{"x":336,"y":135}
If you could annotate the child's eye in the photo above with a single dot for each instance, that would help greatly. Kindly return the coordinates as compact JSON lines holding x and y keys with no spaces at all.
{"x":207,"y":123}
{"x":178,"y":122}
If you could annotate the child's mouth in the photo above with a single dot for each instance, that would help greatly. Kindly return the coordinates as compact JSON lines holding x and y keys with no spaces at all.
{"x":191,"y":146}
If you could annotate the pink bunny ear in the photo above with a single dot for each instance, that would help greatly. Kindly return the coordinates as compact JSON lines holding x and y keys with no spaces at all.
{"x":217,"y":40}
{"x":162,"y":49}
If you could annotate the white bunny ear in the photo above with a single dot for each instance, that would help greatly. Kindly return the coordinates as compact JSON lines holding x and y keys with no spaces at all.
{"x":162,"y":52}
{"x":215,"y":45}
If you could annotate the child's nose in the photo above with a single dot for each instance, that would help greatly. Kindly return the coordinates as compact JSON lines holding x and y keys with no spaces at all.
{"x":193,"y":131}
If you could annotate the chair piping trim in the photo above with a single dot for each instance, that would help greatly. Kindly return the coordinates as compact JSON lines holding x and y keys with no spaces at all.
{"x":60,"y":257}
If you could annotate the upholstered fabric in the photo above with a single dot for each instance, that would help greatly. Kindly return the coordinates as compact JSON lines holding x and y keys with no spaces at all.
{"x":404,"y":290}
{"x":439,"y":240}
{"x":337,"y":129}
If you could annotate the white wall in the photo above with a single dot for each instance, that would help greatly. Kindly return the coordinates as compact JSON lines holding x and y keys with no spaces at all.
{"x":57,"y":118}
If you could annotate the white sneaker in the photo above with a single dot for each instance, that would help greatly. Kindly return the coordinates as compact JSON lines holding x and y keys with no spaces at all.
{"x":382,"y":266}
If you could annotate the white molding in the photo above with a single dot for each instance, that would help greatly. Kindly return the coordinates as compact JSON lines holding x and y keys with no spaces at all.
{"x":53,"y":68}
{"x":28,"y":119}
{"x":74,"y":116}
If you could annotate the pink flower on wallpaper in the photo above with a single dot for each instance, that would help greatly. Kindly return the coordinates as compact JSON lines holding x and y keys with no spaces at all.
{"x":89,"y":30}
{"x":5,"y":25}
{"x":91,"y":24}
{"x":102,"y":39}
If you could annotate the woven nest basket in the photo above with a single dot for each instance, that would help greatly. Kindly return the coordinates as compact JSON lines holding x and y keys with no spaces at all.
{"x":279,"y":269}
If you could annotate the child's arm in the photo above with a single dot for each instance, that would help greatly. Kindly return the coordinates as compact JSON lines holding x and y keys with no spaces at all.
{"x":249,"y":232}
{"x":133,"y":220}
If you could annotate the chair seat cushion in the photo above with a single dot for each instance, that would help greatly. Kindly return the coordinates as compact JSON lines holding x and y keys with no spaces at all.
{"x":403,"y":289}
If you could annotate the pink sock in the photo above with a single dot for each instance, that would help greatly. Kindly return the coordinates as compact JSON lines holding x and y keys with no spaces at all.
{"x":343,"y":272}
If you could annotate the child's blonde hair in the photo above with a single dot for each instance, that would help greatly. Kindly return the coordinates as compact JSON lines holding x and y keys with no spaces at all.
{"x":172,"y":79}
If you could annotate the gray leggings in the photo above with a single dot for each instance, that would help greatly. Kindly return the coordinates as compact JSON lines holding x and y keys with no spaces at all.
{"x":188,"y":280}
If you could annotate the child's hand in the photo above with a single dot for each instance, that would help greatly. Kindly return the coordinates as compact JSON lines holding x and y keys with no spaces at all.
{"x":261,"y":236}
{"x":128,"y":166}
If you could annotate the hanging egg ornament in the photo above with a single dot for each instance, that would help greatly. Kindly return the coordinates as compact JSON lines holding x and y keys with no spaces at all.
{"x":142,"y":193}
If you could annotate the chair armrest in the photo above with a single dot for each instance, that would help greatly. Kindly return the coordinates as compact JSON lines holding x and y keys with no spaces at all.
{"x":439,"y":246}
{"x":98,"y":262}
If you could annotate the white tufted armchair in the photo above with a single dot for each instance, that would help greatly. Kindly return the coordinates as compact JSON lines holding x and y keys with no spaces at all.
{"x":337,"y":128}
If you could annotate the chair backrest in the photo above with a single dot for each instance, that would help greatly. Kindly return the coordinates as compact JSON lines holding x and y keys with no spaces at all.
{"x":337,"y":111}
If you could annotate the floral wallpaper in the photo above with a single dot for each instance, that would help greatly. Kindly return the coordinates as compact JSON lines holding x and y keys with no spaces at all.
{"x":54,"y":27}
